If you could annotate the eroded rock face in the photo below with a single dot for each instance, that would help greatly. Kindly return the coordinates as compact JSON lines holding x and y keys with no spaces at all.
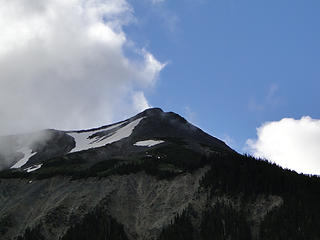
{"x":140,"y":202}
{"x":143,"y":204}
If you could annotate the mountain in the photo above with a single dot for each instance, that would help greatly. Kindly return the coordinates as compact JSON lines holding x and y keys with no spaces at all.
{"x":30,"y":151}
{"x":152,"y":176}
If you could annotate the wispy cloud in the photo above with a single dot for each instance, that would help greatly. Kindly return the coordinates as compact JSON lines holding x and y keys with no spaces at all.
{"x":228,"y":140}
{"x":140,"y":102}
{"x":272,"y":90}
{"x":190,"y":114}
{"x":270,"y":99}
{"x":157,"y":1}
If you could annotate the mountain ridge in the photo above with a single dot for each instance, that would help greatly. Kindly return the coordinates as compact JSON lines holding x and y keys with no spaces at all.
{"x":160,"y":179}
{"x":66,"y":145}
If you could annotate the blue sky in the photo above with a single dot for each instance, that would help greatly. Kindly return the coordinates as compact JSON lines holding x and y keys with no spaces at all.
{"x":233,"y":65}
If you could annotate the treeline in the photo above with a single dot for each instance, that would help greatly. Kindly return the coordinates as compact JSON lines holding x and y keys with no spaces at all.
{"x":223,"y":222}
{"x":6,"y":222}
{"x":219,"y":222}
{"x":295,"y":220}
{"x":179,"y":229}
{"x":96,"y":225}
{"x":242,"y":175}
{"x":237,"y":173}
{"x":32,"y":234}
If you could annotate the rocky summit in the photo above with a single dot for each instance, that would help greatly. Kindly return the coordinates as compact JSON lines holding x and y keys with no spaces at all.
{"x":153,"y":176}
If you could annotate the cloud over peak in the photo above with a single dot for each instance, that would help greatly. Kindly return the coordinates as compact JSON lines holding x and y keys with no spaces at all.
{"x":63,"y":64}
{"x":291,"y":143}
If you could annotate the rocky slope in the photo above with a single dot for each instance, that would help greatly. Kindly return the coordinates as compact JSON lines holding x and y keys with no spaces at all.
{"x":28,"y":150}
{"x":153,"y":176}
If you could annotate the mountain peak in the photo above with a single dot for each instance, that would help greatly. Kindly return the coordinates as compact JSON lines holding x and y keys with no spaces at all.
{"x":160,"y":114}
{"x":151,"y":112}
{"x":118,"y":139}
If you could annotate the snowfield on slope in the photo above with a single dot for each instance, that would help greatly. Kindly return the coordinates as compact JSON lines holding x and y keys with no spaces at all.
{"x":148,"y":143}
{"x":84,"y":142}
{"x":27,"y":155}
{"x":33,"y":168}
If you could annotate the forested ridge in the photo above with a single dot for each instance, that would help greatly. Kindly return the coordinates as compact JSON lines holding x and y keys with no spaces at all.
{"x":247,"y":178}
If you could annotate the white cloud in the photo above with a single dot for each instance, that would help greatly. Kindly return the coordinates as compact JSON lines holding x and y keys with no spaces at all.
{"x":63,"y":64}
{"x":140,"y":102}
{"x":293,"y":144}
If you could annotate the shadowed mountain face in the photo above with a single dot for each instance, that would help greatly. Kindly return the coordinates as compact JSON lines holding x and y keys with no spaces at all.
{"x":31,"y":150}
{"x":22,"y":151}
{"x":153,"y":176}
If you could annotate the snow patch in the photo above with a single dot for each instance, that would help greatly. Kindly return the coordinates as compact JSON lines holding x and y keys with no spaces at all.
{"x":33,"y":168}
{"x":84,"y":142}
{"x":123,"y":132}
{"x":148,"y":143}
{"x":27,"y":155}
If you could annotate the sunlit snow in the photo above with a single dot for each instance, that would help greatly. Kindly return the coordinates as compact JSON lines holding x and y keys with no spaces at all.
{"x":27,"y":155}
{"x":84,"y":142}
{"x":148,"y":143}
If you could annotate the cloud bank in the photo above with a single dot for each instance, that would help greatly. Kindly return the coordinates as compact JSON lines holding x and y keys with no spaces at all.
{"x":290,"y":143}
{"x":64,"y":64}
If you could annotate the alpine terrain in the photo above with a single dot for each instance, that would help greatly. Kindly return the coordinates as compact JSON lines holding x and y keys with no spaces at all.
{"x":151,"y":177}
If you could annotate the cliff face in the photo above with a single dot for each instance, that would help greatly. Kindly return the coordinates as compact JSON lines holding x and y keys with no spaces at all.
{"x":141,"y":203}
{"x":153,"y":176}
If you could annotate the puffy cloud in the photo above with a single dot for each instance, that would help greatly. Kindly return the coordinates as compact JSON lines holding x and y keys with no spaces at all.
{"x":63,"y":64}
{"x":290,"y":143}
